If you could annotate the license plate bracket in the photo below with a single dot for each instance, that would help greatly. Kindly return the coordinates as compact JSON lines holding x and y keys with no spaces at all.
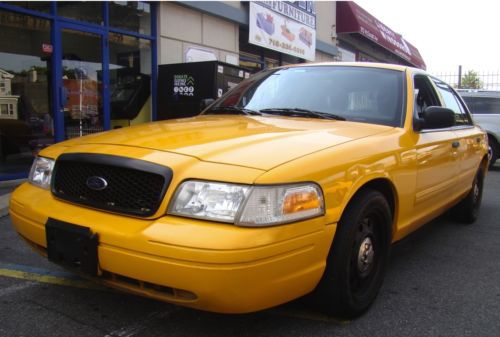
{"x":72,"y":245}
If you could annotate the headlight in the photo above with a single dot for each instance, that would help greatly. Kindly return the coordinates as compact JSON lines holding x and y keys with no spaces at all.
{"x":41,"y":172}
{"x":274,"y":205}
{"x":243,"y":205}
{"x":208,"y":200}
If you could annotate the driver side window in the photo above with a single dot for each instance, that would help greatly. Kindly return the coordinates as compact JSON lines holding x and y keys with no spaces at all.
{"x":424,"y":95}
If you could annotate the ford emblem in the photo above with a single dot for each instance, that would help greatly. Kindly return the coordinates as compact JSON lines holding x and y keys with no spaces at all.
{"x":97,"y":183}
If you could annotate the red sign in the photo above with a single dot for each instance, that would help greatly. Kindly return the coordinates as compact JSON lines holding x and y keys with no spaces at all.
{"x":47,"y":48}
{"x":351,"y":18}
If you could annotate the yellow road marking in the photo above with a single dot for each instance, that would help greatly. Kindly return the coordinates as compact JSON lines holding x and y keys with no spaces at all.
{"x":49,"y":279}
{"x":306,"y":315}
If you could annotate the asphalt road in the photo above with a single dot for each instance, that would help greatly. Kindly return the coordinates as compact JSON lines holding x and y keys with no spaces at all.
{"x":443,"y":280}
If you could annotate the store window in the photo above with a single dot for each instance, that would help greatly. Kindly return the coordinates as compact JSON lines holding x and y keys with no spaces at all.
{"x":82,"y":83}
{"x":347,"y":55}
{"x":133,"y":16}
{"x":365,"y":58}
{"x":36,"y":108}
{"x":251,"y":62}
{"x":129,"y":80}
{"x":25,"y":109}
{"x":289,"y":59}
{"x":39,"y":6}
{"x":87,"y":11}
{"x":255,"y":58}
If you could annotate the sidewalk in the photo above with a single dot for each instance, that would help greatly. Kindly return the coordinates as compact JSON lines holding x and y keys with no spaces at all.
{"x":6,"y":188}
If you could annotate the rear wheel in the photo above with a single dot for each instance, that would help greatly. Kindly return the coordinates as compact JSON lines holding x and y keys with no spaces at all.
{"x":357,"y":261}
{"x":467,"y":211}
{"x":493,"y":150}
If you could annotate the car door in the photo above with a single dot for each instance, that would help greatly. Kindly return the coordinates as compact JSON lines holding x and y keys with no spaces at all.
{"x":437,"y":155}
{"x":470,"y":138}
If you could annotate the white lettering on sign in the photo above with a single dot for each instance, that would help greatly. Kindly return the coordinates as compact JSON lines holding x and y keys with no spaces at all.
{"x":184,"y":85}
{"x":292,"y":12}
{"x":392,"y":38}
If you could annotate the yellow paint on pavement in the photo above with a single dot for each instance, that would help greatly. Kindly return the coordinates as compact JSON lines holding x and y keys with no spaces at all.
{"x":305,"y":315}
{"x":50,"y":279}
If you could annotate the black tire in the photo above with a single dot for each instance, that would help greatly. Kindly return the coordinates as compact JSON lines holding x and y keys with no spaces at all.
{"x":494,"y":149}
{"x":358,"y":259}
{"x":467,"y":210}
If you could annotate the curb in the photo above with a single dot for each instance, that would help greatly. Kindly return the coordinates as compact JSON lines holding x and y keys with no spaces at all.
{"x":11,"y":183}
{"x":4,"y":204}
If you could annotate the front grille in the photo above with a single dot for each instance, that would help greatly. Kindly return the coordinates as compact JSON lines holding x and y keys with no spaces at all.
{"x":131,"y":186}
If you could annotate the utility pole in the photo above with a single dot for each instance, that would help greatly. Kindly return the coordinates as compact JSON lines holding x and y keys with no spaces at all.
{"x":459,"y":77}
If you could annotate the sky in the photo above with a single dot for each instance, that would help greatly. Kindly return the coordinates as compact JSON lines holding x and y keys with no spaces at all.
{"x":446,"y":33}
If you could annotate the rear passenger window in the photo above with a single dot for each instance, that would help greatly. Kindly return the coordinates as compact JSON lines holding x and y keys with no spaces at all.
{"x":483,"y":105}
{"x":451,"y":101}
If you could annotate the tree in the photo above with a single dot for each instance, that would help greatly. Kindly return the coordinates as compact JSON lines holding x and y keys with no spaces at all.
{"x":471,"y":80}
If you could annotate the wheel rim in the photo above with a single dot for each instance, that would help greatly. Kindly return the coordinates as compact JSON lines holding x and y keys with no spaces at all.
{"x":365,"y":255}
{"x":476,"y":193}
{"x":490,"y":152}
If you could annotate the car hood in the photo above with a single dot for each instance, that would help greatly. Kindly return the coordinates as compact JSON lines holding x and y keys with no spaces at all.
{"x":250,"y":141}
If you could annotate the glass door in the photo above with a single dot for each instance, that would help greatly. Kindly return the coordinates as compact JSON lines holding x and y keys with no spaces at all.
{"x":26,"y":117}
{"x":81,"y":86}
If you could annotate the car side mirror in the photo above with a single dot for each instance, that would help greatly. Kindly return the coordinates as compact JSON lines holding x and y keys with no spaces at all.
{"x":204,"y":103}
{"x":436,"y":117}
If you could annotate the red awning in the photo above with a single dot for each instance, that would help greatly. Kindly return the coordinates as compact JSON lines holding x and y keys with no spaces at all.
{"x":351,"y":18}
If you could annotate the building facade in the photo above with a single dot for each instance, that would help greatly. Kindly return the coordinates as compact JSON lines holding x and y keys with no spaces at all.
{"x":8,"y":102}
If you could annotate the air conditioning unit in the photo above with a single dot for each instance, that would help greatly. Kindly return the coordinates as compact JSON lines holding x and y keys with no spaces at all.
{"x":334,"y":32}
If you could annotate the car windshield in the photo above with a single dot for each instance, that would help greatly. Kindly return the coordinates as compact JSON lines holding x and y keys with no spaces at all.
{"x":351,"y":93}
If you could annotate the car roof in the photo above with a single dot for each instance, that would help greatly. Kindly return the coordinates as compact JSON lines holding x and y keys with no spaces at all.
{"x":478,"y":93}
{"x":358,"y":64}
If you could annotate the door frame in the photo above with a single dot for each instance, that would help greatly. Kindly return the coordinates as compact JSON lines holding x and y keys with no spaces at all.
{"x":59,"y":127}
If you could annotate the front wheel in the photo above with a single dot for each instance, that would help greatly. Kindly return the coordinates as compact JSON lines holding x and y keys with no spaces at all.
{"x":358,"y":258}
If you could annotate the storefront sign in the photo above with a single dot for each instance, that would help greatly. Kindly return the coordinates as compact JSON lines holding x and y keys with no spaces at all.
{"x":351,"y":18}
{"x":286,"y":27}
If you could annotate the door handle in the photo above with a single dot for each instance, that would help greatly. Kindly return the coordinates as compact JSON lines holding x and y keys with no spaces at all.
{"x":455,"y":144}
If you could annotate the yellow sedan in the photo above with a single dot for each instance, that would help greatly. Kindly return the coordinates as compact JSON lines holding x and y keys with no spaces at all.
{"x":296,"y":181}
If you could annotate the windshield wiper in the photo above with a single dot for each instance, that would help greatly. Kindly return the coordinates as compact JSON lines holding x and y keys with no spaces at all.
{"x":299,"y":112}
{"x":232,"y":109}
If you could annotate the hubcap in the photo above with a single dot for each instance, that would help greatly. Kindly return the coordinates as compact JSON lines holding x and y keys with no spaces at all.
{"x":476,"y":191}
{"x":365,"y":256}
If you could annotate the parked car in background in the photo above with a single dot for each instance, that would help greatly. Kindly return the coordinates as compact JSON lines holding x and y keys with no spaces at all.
{"x":298,"y":180}
{"x":485,"y":108}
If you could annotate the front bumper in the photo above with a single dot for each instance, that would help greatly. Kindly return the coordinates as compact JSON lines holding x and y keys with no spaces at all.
{"x":200,"y":264}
